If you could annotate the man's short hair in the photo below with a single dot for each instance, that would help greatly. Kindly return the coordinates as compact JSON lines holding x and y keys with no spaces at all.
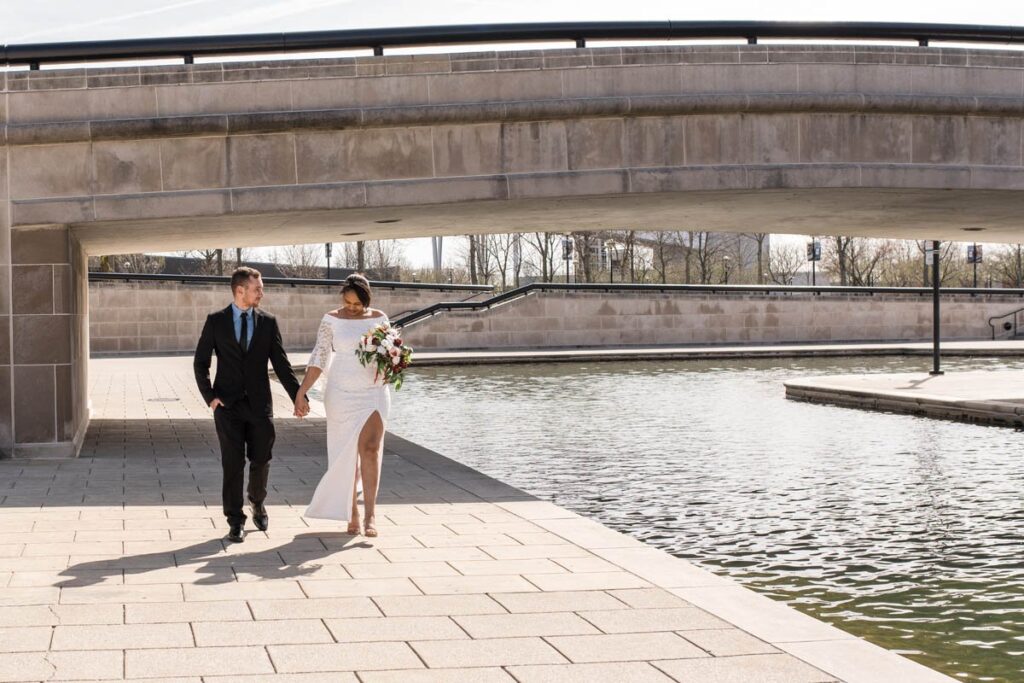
{"x":241,"y":277}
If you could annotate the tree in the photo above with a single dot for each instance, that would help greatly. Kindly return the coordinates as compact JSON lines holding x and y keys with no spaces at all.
{"x":784,"y":262}
{"x":208,"y":260}
{"x":502,"y":248}
{"x":836,"y":258}
{"x":299,"y":260}
{"x":708,"y":254}
{"x":759,"y":239}
{"x":1007,"y":264}
{"x":585,"y":244}
{"x":543,"y":244}
{"x":664,"y":254}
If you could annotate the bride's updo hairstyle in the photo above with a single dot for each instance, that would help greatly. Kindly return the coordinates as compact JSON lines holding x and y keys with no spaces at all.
{"x":357,"y":283}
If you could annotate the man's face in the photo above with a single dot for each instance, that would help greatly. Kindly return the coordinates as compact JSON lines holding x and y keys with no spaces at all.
{"x":252,"y":293}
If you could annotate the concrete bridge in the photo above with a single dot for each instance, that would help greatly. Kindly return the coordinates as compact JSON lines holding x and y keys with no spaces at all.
{"x":868,"y":140}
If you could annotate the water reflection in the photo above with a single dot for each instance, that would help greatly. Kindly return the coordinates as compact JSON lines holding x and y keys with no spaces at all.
{"x":901,"y":529}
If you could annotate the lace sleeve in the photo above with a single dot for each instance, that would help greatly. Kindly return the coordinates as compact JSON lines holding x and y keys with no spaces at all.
{"x":321,"y":355}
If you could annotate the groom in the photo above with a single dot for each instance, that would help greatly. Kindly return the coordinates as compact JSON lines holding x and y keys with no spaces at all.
{"x":244,"y":338}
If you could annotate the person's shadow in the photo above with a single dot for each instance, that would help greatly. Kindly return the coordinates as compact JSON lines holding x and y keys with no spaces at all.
{"x":296,"y":558}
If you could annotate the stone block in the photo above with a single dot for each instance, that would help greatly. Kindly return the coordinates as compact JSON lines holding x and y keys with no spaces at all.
{"x":716,"y":139}
{"x":193,"y":163}
{"x":595,"y":143}
{"x":35,"y":212}
{"x":467,"y":149}
{"x":343,"y":657}
{"x":494,"y":87}
{"x":655,"y":141}
{"x":375,"y":154}
{"x":490,"y":652}
{"x":342,"y":93}
{"x":534,"y":146}
{"x":940,"y":140}
{"x":34,"y":411}
{"x":32,"y":289}
{"x":62,"y":666}
{"x":41,"y":171}
{"x":221,"y":98}
{"x":40,"y":339}
{"x":440,"y":191}
{"x":728,"y":642}
{"x":121,"y":637}
{"x":125,"y":167}
{"x":622,"y":81}
{"x":994,"y":141}
{"x":290,"y":631}
{"x":558,"y":601}
{"x":569,"y":183}
{"x":163,"y":205}
{"x":394,"y":629}
{"x":626,"y":647}
{"x":438,"y":605}
{"x":209,"y":661}
{"x":261,"y":160}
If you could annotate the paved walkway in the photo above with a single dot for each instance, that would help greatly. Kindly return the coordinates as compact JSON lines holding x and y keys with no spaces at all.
{"x":112,"y":566}
{"x":985,"y":396}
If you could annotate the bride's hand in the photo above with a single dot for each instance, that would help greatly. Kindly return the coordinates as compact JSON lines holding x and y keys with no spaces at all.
{"x":301,"y":407}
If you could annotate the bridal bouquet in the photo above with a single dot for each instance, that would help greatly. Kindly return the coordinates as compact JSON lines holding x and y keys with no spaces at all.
{"x":383,"y":349}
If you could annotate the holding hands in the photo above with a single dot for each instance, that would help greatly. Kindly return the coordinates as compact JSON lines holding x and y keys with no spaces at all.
{"x":301,"y":406}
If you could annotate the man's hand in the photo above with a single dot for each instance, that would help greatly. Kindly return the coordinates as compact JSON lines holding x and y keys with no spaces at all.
{"x":216,"y":402}
{"x":301,"y":407}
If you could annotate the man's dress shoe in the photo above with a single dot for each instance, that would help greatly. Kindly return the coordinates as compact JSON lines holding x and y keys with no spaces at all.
{"x":236,"y":534}
{"x":260,"y":517}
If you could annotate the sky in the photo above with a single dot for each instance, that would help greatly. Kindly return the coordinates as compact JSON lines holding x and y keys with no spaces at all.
{"x":73,"y":20}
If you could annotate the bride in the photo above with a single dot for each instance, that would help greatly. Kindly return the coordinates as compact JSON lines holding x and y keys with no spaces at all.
{"x":357,"y":409}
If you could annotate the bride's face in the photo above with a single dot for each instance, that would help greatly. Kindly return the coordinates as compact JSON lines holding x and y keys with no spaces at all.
{"x":351,"y":303}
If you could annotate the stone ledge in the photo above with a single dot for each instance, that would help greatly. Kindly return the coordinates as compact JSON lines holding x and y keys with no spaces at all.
{"x":562,"y":108}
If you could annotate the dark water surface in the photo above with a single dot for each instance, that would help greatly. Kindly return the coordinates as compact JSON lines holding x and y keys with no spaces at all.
{"x":905,"y":530}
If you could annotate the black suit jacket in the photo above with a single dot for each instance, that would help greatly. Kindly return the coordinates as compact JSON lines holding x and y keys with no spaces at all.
{"x":242,"y":374}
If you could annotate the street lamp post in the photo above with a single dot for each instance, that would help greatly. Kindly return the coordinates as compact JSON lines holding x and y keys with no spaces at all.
{"x":327,"y":250}
{"x":608,"y":254}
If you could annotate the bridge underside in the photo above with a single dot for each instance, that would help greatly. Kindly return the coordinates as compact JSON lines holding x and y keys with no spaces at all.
{"x":868,"y":212}
{"x":877,"y":141}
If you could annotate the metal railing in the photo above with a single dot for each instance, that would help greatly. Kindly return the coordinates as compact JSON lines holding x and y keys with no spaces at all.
{"x":520,"y":292}
{"x":96,"y":276}
{"x":377,"y":39}
{"x":1007,"y":325}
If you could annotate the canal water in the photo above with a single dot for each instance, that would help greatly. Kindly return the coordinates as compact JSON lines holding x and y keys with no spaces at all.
{"x":904,"y":530}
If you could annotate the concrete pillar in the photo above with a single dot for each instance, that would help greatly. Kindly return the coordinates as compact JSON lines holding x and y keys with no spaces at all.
{"x":43,"y":343}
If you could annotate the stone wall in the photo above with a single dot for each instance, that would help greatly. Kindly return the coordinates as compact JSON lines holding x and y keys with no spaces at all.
{"x":167,"y":317}
{"x":568,"y":319}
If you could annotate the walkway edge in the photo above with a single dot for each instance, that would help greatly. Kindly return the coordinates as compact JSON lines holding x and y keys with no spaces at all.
{"x":821,"y":645}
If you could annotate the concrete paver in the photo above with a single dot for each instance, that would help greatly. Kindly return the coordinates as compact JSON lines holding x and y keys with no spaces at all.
{"x":616,"y":672}
{"x":113,"y":566}
{"x":626,"y":647}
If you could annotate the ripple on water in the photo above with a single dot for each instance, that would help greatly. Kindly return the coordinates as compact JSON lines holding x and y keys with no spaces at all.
{"x":904,"y":530}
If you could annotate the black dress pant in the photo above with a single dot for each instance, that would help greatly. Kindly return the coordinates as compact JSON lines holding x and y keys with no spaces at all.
{"x":243,"y":433}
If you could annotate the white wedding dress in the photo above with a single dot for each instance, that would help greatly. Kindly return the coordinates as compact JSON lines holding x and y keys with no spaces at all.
{"x":351,"y":397}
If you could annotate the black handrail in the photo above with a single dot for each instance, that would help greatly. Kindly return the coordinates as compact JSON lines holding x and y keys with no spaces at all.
{"x":97,"y":276}
{"x":1007,"y":325}
{"x":520,"y":292}
{"x":579,"y":32}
